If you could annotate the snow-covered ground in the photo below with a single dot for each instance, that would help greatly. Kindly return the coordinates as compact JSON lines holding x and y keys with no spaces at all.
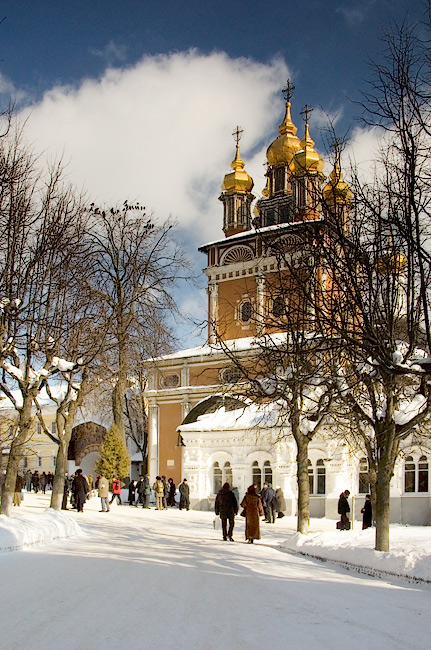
{"x":136,"y":578}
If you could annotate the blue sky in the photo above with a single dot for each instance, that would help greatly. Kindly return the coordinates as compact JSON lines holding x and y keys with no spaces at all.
{"x":140,"y":98}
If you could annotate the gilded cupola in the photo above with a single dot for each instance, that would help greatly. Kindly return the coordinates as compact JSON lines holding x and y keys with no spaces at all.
{"x":336,"y":190}
{"x":306,"y":160}
{"x":237,"y":180}
{"x":287,"y":143}
{"x":236,"y":195}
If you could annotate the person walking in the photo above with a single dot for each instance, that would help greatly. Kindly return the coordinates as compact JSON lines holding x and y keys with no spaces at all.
{"x":35,"y":481}
{"x":79,"y":490}
{"x":17,"y":495}
{"x":146,"y":491}
{"x":226,"y":506}
{"x":159,"y":491}
{"x":280,"y":503}
{"x":116,"y":491}
{"x":132,"y":492}
{"x":66,"y":490}
{"x":184,"y":490}
{"x":165,"y":492}
{"x":140,"y":490}
{"x":343,"y":510}
{"x":367,"y":513}
{"x":253,"y":510}
{"x":172,"y":490}
{"x":103,"y":487}
{"x":268,"y":503}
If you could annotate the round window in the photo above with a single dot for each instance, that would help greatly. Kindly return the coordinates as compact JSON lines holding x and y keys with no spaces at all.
{"x":170,"y":381}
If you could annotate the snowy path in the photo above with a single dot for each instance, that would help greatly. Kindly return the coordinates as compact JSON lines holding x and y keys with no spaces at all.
{"x":164,"y":580}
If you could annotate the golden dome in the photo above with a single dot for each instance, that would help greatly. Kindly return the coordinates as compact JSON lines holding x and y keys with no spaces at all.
{"x":307,"y":160}
{"x":238,"y":180}
{"x":336,"y":190}
{"x":392,"y":264}
{"x":286,"y":144}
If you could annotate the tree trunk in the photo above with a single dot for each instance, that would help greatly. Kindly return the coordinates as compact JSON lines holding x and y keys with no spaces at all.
{"x":16,"y":453}
{"x":64,"y":427}
{"x":387,"y":457}
{"x":60,"y":471}
{"x":303,"y":522}
{"x":382,"y":517}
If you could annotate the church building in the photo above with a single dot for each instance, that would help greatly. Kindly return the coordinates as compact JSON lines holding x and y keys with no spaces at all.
{"x":199,"y":428}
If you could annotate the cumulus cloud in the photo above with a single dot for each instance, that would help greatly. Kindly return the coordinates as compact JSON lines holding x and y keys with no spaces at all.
{"x":160,"y":131}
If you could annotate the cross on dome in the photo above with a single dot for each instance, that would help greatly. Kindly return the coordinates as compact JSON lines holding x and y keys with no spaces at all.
{"x":237,"y":134}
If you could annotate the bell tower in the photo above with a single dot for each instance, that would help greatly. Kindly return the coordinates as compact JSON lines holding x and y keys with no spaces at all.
{"x":236,"y":194}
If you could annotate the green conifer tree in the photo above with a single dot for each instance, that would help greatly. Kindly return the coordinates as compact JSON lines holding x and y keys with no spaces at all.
{"x":114,"y":460}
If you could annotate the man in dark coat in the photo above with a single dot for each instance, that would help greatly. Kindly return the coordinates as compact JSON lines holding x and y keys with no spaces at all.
{"x":184,"y":490}
{"x":80,"y":490}
{"x":343,"y":510}
{"x":226,"y":506}
{"x":269,"y":503}
{"x":367,"y":513}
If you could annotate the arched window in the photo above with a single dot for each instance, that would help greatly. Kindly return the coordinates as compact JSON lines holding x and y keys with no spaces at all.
{"x":278,"y":306}
{"x":364,"y":484}
{"x":256,"y":475}
{"x":245,"y":311}
{"x":227,"y":474}
{"x":423,"y":474}
{"x":310,"y":477}
{"x":217,"y":478}
{"x":409,"y":475}
{"x":321,"y":477}
{"x":267,"y":472}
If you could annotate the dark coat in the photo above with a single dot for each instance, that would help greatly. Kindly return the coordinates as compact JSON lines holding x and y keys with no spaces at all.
{"x":80,"y":487}
{"x":343,"y":505}
{"x":226,"y":504}
{"x":267,"y":496}
{"x":253,"y":511}
{"x":367,"y":515}
{"x":132,"y":491}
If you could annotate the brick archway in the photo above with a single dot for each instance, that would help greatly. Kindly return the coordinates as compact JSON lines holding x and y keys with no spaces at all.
{"x":86,"y":437}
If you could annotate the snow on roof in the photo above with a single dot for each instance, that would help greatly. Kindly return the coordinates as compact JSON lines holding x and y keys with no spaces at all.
{"x":257,"y":231}
{"x":233,"y":345}
{"x":263,"y":416}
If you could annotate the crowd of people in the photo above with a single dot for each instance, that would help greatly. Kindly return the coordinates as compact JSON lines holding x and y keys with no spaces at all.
{"x":267,"y":504}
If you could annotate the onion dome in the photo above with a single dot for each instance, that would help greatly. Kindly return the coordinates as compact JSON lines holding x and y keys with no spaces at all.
{"x":392,"y":263}
{"x":336,"y":190}
{"x":286,"y":144}
{"x":307,"y":160}
{"x":238,"y":180}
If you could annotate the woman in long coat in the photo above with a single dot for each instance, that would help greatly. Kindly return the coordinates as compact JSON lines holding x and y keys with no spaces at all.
{"x":253,"y":511}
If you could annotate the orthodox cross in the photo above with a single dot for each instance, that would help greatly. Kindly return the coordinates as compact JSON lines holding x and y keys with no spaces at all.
{"x":306,"y":112}
{"x":237,"y":134}
{"x":288,"y":91}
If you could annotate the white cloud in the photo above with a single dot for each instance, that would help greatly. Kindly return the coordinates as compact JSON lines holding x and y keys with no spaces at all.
{"x":160,"y":131}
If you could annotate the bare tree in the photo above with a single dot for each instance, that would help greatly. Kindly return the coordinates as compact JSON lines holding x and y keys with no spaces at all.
{"x":136,"y":265}
{"x":39,"y":217}
{"x":288,"y":365}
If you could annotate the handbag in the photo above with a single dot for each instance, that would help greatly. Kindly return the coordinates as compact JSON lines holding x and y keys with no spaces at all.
{"x":242,"y":514}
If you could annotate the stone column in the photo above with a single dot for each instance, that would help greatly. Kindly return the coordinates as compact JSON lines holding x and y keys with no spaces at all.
{"x":185,"y":375}
{"x":213,"y":311}
{"x":260,"y":303}
{"x":185,"y":409}
{"x":153,"y":440}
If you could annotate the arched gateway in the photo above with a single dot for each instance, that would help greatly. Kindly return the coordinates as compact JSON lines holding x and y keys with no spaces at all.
{"x":86,"y":438}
